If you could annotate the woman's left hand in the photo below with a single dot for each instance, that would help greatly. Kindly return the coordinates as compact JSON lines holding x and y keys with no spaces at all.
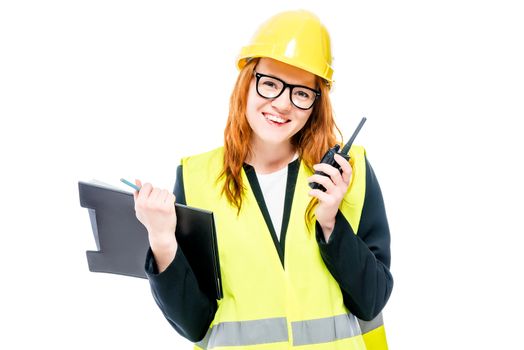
{"x":336,"y":186}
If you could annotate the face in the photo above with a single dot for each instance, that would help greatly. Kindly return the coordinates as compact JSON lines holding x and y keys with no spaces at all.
{"x":276,"y":120}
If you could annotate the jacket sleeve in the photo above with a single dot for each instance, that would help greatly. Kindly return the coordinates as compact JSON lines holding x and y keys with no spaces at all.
{"x":176,"y":290}
{"x":360,"y":263}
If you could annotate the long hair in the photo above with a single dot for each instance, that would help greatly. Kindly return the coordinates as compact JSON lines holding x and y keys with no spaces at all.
{"x":311,"y":142}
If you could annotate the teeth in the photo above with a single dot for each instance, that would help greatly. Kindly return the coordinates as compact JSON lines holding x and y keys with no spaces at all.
{"x":275,"y":118}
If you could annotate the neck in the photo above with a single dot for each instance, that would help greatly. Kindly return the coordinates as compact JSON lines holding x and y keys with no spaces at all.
{"x":267,"y":158}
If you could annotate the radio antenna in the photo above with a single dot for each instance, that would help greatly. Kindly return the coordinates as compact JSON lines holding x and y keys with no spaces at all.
{"x":347,"y":146}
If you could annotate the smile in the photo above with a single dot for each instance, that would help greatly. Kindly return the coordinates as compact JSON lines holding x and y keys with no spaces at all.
{"x":274,"y":119}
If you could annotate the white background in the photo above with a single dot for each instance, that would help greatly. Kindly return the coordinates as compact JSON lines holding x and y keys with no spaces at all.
{"x":110,"y":89}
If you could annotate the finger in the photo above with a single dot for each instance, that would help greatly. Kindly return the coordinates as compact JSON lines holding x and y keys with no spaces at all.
{"x":322,"y":180}
{"x":333,"y":172}
{"x":135,"y":193}
{"x":169,"y":201}
{"x":155,"y":196}
{"x":346,"y":168}
{"x":320,"y":195}
{"x":164,"y":196}
{"x":145,"y":191}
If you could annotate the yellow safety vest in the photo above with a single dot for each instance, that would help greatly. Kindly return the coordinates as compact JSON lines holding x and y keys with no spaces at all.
{"x":266,"y":305}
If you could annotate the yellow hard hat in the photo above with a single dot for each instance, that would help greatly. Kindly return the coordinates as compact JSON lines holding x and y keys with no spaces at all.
{"x":297,"y":38}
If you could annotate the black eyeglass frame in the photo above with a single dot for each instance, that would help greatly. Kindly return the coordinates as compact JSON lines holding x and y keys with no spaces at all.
{"x":286,"y":85}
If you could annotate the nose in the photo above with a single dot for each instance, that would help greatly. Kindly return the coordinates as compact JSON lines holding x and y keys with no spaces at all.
{"x":283,"y":102}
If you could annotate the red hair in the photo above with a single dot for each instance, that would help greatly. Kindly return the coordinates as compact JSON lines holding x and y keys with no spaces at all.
{"x":311,"y":142}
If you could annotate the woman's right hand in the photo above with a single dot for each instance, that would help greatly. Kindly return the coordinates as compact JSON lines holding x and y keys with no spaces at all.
{"x":155,"y":209}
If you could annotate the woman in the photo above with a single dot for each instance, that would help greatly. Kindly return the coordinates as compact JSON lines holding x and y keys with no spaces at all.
{"x":299,"y":266}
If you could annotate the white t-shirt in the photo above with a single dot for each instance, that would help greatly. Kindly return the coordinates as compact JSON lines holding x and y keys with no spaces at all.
{"x":273,"y":186}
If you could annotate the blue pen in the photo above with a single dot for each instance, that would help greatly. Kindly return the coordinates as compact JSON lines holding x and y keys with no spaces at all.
{"x":130,"y":184}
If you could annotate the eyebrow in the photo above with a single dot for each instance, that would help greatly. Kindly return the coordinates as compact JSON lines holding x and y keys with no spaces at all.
{"x":278,"y":78}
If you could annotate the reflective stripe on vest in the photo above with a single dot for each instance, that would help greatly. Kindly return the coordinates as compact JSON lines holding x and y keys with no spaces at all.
{"x":274,"y":330}
{"x":243,"y":333}
{"x":368,"y":326}
{"x":374,"y":333}
{"x":325,"y":330}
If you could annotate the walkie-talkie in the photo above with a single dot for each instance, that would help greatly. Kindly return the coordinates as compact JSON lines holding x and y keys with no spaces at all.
{"x":329,"y":157}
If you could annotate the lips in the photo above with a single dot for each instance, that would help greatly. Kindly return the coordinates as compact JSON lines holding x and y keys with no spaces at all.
{"x":275,"y":119}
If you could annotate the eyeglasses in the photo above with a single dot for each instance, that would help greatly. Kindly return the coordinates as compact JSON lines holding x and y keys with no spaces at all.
{"x":270,"y":87}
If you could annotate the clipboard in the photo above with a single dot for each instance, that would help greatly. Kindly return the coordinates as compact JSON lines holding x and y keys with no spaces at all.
{"x":122,"y":240}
